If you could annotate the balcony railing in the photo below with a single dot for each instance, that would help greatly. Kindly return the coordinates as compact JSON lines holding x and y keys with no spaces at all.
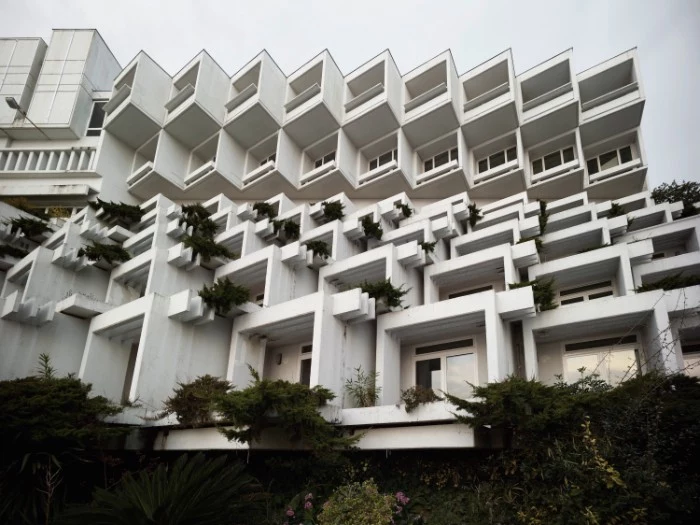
{"x":607,"y":97}
{"x":241,"y":97}
{"x":546,"y":97}
{"x":200,"y":172}
{"x":120,"y":96}
{"x":487,"y":97}
{"x":495,"y":171}
{"x":258,"y":172}
{"x":317,"y":172}
{"x":364,"y":97}
{"x":180,"y":97}
{"x":30,"y":161}
{"x":616,"y":170}
{"x":425,"y":97}
{"x":302,"y":97}
{"x":139,"y":173}
{"x":557,"y":170}
{"x":436,"y":172}
{"x":378,"y":172}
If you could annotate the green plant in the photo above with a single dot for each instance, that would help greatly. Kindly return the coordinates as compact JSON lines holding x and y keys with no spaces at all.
{"x":384,"y":289}
{"x":542,"y":291}
{"x":363,"y":388}
{"x":21,"y":203}
{"x":543,"y":217}
{"x":290,"y":407}
{"x":290,"y":228}
{"x":11,"y":251}
{"x":224,"y":295}
{"x":371,"y":228}
{"x":429,"y":247}
{"x":670,"y":282}
{"x":194,"y":403}
{"x":333,"y":210}
{"x":301,"y":510}
{"x":107,"y":252}
{"x":406,"y":210}
{"x":265,"y":209}
{"x":197,"y":217}
{"x":357,"y":504}
{"x":319,"y":248}
{"x":194,"y":490}
{"x":630,"y":221}
{"x":418,"y":395}
{"x":475,"y":214}
{"x":687,"y":192}
{"x":616,"y":210}
{"x":127,"y":213}
{"x":206,"y":247}
{"x":29,"y":227}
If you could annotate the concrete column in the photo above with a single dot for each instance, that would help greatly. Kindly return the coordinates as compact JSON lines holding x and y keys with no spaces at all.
{"x":529,"y":350}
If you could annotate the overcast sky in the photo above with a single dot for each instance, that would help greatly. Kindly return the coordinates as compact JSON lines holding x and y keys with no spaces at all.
{"x":666,"y":33}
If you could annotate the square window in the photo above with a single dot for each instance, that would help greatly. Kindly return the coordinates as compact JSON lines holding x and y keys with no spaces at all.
{"x":428,"y":373}
{"x":552,"y":160}
{"x":483,"y":165}
{"x":511,"y":154}
{"x":330,"y":157}
{"x":626,"y":154}
{"x":97,"y":118}
{"x":459,"y":375}
{"x":592,"y":166}
{"x":454,"y":154}
{"x":318,"y":163}
{"x":428,"y":165}
{"x":497,"y":159}
{"x":305,"y":372}
{"x":373,"y":164}
{"x":537,"y":166}
{"x":442,"y":158}
{"x":608,"y":160}
{"x":568,"y":154}
{"x":386,"y":158}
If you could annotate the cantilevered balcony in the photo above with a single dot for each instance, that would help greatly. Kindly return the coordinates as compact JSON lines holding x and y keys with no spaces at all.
{"x":496,"y":167}
{"x":431,"y":100}
{"x":549,"y":98}
{"x":136,"y":110}
{"x":612,"y":98}
{"x":438,"y":167}
{"x":151,"y":172}
{"x":213,"y":167}
{"x":256,"y":96}
{"x":195,"y":108}
{"x":489,"y":108}
{"x":328,"y":166}
{"x":313,"y":103}
{"x":555,"y":168}
{"x":372,"y":100}
{"x":271,"y":166}
{"x":615,"y":166}
{"x":385,"y":166}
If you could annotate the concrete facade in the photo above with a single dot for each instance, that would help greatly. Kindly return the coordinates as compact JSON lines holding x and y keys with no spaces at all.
{"x":432,"y":141}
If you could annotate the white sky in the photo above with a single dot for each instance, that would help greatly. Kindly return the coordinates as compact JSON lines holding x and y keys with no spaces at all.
{"x":666,"y":33}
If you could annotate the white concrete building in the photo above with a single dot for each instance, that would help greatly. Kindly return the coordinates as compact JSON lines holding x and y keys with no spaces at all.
{"x":413,"y":152}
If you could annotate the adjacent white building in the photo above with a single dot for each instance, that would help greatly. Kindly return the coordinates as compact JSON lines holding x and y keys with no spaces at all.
{"x":432,"y":140}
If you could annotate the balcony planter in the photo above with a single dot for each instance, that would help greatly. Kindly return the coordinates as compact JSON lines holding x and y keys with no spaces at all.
{"x":264,"y":209}
{"x":386,"y":297}
{"x":105,"y":256}
{"x":223,"y":296}
{"x":333,"y":210}
{"x":123,"y":214}
{"x":286,"y":230}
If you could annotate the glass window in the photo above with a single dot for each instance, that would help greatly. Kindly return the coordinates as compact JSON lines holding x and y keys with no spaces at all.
{"x":497,"y":159}
{"x":691,"y":364}
{"x":373,"y":164}
{"x":428,"y":165}
{"x":442,"y":158}
{"x":330,"y":157}
{"x":96,"y":120}
{"x":608,"y":160}
{"x":386,"y":158}
{"x":613,"y":366}
{"x":568,"y":154}
{"x":483,"y":165}
{"x":552,"y":160}
{"x":511,"y":154}
{"x":537,"y":166}
{"x":592,"y":166}
{"x":622,"y":365}
{"x":571,"y":301}
{"x":428,"y":373}
{"x":318,"y":163}
{"x":625,"y":154}
{"x":459,"y":373}
{"x":453,"y":154}
{"x":573,"y":363}
{"x":305,"y":372}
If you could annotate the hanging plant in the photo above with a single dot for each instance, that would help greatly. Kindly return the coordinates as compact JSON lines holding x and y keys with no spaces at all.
{"x":371,"y":228}
{"x":429,"y":247}
{"x":543,"y":217}
{"x":126,"y":213}
{"x":110,"y":253}
{"x":474,"y":214}
{"x":384,"y":289}
{"x":290,"y":228}
{"x":206,"y":247}
{"x":224,"y":295}
{"x":265,"y":209}
{"x":196,"y":216}
{"x":319,"y":248}
{"x":542,"y":292}
{"x":333,"y":210}
{"x":29,"y":227}
{"x":11,"y":251}
{"x":615,"y":210}
{"x":406,"y":210}
{"x":418,"y":395}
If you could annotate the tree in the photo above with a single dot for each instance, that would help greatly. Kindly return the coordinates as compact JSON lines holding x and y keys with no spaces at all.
{"x":194,"y":403}
{"x":687,"y":192}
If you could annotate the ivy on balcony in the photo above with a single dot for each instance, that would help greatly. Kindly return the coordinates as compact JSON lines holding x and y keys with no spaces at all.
{"x":429,"y":247}
{"x":126,"y":214}
{"x":543,"y":217}
{"x":385,"y":290}
{"x":371,"y":228}
{"x":31,"y":228}
{"x":110,"y":253}
{"x":203,"y":229}
{"x":333,"y":210}
{"x":319,"y":248}
{"x":290,"y":229}
{"x":223,"y":295}
{"x":265,"y":209}
{"x":406,"y":210}
{"x":616,"y":210}
{"x":670,"y":282}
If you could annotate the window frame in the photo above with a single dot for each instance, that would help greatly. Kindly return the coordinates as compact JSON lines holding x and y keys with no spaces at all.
{"x":585,"y":291}
{"x":323,"y":159}
{"x":562,"y":162}
{"x":471,"y":348}
{"x":101,"y":102}
{"x":304,"y":355}
{"x":272,"y":157}
{"x":394,"y":156}
{"x":617,"y":151}
{"x":449,"y":152}
{"x":487,"y":158}
{"x":601,"y":352}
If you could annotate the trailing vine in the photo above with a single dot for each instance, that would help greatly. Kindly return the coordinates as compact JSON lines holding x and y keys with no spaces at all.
{"x":201,"y":240}
{"x":371,"y":228}
{"x":542,"y":292}
{"x":110,"y":253}
{"x":333,"y":210}
{"x":429,"y":247}
{"x":406,"y":210}
{"x":384,"y":289}
{"x":125,"y":213}
{"x":29,"y":227}
{"x":475,"y":214}
{"x":319,"y":248}
{"x":543,"y":217}
{"x":418,"y":395}
{"x":224,"y":295}
{"x":265,"y":209}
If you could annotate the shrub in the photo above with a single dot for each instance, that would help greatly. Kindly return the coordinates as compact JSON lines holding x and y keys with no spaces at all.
{"x":474,"y":215}
{"x":319,"y":248}
{"x":542,"y":291}
{"x":206,"y":247}
{"x":290,"y":228}
{"x":670,"y":282}
{"x":616,"y":210}
{"x":198,"y":218}
{"x":194,"y":403}
{"x":384,"y":289}
{"x":406,"y":210}
{"x":418,"y":395}
{"x":224,"y":295}
{"x":29,"y":227}
{"x":265,"y":209}
{"x":357,"y":504}
{"x":371,"y":228}
{"x":126,"y":213}
{"x":6,"y":250}
{"x":363,"y":388}
{"x":333,"y":210}
{"x":109,"y":253}
{"x":429,"y":247}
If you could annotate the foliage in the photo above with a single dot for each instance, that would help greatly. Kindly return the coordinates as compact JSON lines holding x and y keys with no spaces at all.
{"x":536,"y":238}
{"x":363,"y":388}
{"x":616,"y":210}
{"x":197,"y":217}
{"x":301,"y":510}
{"x":290,"y":407}
{"x":357,"y":504}
{"x":406,"y":210}
{"x":290,"y":228}
{"x":384,"y":289}
{"x":7,"y":250}
{"x":319,"y":248}
{"x":265,"y":209}
{"x":224,"y":295}
{"x":687,"y":192}
{"x":29,"y":227}
{"x":206,"y":247}
{"x":59,"y":212}
{"x":429,"y":247}
{"x":195,"y":490}
{"x":475,"y":214}
{"x":418,"y":395}
{"x":671,"y":282}
{"x":543,"y":217}
{"x":21,"y":203}
{"x":371,"y":228}
{"x":107,"y":252}
{"x":194,"y":403}
{"x":542,"y":291}
{"x":333,"y":210}
{"x":120,"y":211}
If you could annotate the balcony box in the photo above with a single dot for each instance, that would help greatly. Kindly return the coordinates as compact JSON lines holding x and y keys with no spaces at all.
{"x":554,"y":169}
{"x":158,"y":167}
{"x":328,"y":166}
{"x":496,"y":168}
{"x":255,"y":99}
{"x":313,"y":105}
{"x":612,"y":98}
{"x":136,"y":110}
{"x":195,"y":108}
{"x":488,"y":105}
{"x":372,"y":100}
{"x":271,"y":166}
{"x":385,"y":167}
{"x":549,"y":100}
{"x":431,"y":100}
{"x":438,"y":167}
{"x":616,"y":166}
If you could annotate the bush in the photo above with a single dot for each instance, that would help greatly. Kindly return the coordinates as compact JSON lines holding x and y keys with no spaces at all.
{"x":672,"y":282}
{"x":357,"y":504}
{"x":29,"y":227}
{"x":687,"y":192}
{"x":206,"y":247}
{"x":384,"y":289}
{"x":126,"y":213}
{"x":290,"y":228}
{"x":474,"y":215}
{"x":333,"y":210}
{"x":107,"y":252}
{"x":616,"y":210}
{"x":265,"y":209}
{"x":418,"y":395}
{"x":363,"y":388}
{"x":194,"y":403}
{"x":198,"y":218}
{"x":224,"y":295}
{"x":371,"y":228}
{"x":429,"y":247}
{"x":319,"y":248}
{"x":406,"y":210}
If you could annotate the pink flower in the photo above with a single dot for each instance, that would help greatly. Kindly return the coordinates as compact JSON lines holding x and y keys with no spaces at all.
{"x":402,"y":499}
{"x":309,"y":496}
{"x":290,"y":512}
{"x":308,"y":505}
